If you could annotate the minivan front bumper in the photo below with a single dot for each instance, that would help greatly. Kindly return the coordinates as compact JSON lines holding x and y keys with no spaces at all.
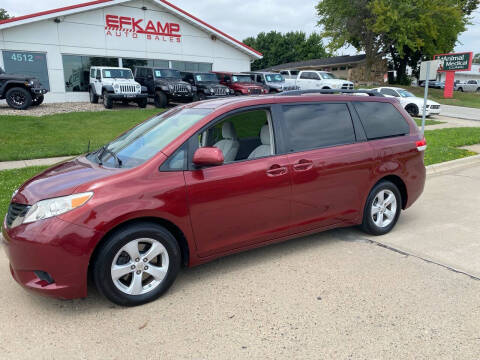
{"x":50,"y":256}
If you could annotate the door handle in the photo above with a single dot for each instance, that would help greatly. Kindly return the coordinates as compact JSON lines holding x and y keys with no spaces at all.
{"x":303,"y":165}
{"x":276,"y":170}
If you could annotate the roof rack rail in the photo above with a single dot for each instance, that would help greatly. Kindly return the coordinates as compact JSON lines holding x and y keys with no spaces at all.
{"x":330,"y":91}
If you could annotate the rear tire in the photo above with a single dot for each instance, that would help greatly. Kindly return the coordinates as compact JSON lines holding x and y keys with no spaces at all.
{"x":38,"y":100}
{"x":160,"y":100}
{"x":93,"y":97}
{"x":137,"y":264}
{"x":382,"y":210}
{"x":412,"y":109}
{"x":18,"y":98}
{"x":107,"y":101}
{"x":460,"y":89}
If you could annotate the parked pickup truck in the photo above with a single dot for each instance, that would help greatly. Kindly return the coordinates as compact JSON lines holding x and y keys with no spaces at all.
{"x":469,"y":86}
{"x":309,"y":79}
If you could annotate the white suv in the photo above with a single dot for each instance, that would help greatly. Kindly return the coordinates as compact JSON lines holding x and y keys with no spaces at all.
{"x":115,"y":84}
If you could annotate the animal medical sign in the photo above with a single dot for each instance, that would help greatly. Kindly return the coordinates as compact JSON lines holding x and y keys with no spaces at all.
{"x":455,"y":62}
{"x":130,"y":27}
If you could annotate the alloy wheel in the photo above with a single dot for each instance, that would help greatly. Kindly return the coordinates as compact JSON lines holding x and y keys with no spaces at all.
{"x":140,"y":266}
{"x":384,"y":208}
{"x":18,"y":98}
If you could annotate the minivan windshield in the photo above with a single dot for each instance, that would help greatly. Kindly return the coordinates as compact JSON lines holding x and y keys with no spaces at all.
{"x":274,"y":78}
{"x":117,"y":74}
{"x":144,"y":141}
{"x":167,"y":73}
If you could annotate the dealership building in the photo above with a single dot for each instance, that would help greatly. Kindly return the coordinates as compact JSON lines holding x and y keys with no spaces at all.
{"x":59,"y":46}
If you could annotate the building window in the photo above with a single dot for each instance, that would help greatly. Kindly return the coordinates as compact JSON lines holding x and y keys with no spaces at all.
{"x":131,"y":63}
{"x":27,"y":63}
{"x":191,"y":66}
{"x":76,"y":70}
{"x":343,"y":68}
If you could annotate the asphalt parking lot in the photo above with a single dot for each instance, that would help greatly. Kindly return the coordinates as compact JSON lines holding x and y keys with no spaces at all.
{"x":411,"y":294}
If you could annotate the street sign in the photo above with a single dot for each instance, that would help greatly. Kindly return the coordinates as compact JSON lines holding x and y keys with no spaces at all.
{"x":455,"y":62}
{"x":451,"y":64}
{"x":432,"y":74}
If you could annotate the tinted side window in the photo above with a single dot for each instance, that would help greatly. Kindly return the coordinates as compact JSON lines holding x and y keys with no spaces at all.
{"x":314,"y":76}
{"x":305,"y":75}
{"x":381,"y":120}
{"x":312,"y":126}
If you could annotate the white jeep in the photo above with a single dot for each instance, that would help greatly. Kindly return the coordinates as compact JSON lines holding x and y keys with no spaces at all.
{"x":115,"y":84}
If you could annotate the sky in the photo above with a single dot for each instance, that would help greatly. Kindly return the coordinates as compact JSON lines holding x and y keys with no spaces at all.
{"x":244,"y":18}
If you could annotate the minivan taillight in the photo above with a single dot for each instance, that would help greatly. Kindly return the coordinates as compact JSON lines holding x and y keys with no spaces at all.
{"x":422,"y":145}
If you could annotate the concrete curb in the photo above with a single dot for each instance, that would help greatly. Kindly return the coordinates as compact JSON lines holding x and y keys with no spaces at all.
{"x":441,"y":168}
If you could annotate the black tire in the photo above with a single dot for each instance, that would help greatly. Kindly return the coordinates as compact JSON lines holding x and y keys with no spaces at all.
{"x":238,"y":93}
{"x":142,"y":103}
{"x":38,"y":100}
{"x":460,"y":89}
{"x":412,"y":109}
{"x":18,"y":98}
{"x":201,"y":96}
{"x":478,"y":89}
{"x":368,"y":224}
{"x":93,"y":97}
{"x":102,"y":264}
{"x":160,"y":100}
{"x":107,"y":101}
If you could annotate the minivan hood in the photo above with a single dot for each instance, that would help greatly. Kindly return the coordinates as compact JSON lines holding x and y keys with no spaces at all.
{"x":60,"y":180}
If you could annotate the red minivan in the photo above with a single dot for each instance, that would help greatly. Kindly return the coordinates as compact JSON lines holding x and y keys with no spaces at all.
{"x":209,"y":179}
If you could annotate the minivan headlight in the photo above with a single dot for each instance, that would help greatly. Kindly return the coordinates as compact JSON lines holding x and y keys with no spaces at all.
{"x":45,"y":209}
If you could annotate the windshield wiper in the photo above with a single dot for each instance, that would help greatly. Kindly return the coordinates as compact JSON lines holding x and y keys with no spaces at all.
{"x":115,"y":156}
{"x":104,"y":150}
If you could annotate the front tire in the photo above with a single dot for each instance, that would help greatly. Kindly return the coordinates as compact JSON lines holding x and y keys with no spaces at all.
{"x":93,"y":97}
{"x":412,"y":110}
{"x":160,"y":100}
{"x":18,"y":98}
{"x":382,"y":209}
{"x":137,"y":264}
{"x":460,"y":89}
{"x":38,"y":100}
{"x":142,"y":103}
{"x":107,"y":101}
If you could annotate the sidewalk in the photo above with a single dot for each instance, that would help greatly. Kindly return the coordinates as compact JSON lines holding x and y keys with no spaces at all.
{"x":10,"y":165}
{"x":461,"y":112}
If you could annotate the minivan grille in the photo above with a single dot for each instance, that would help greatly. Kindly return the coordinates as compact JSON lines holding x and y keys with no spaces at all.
{"x":220,"y":91}
{"x":180,"y":88}
{"x":347,"y":86}
{"x":127,"y":88}
{"x":255,"y":91}
{"x":16,"y":211}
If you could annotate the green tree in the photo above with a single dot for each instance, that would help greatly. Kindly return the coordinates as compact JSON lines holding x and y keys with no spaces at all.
{"x":407,"y":30}
{"x":4,"y":14}
{"x":348,"y":22}
{"x":412,"y":30}
{"x":278,"y":48}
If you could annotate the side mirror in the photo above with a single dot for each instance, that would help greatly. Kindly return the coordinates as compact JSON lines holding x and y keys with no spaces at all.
{"x":208,"y":156}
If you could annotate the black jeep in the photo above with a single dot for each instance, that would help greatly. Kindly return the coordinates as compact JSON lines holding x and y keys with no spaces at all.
{"x":207,"y":85}
{"x":21,"y":91}
{"x":164,"y":85}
